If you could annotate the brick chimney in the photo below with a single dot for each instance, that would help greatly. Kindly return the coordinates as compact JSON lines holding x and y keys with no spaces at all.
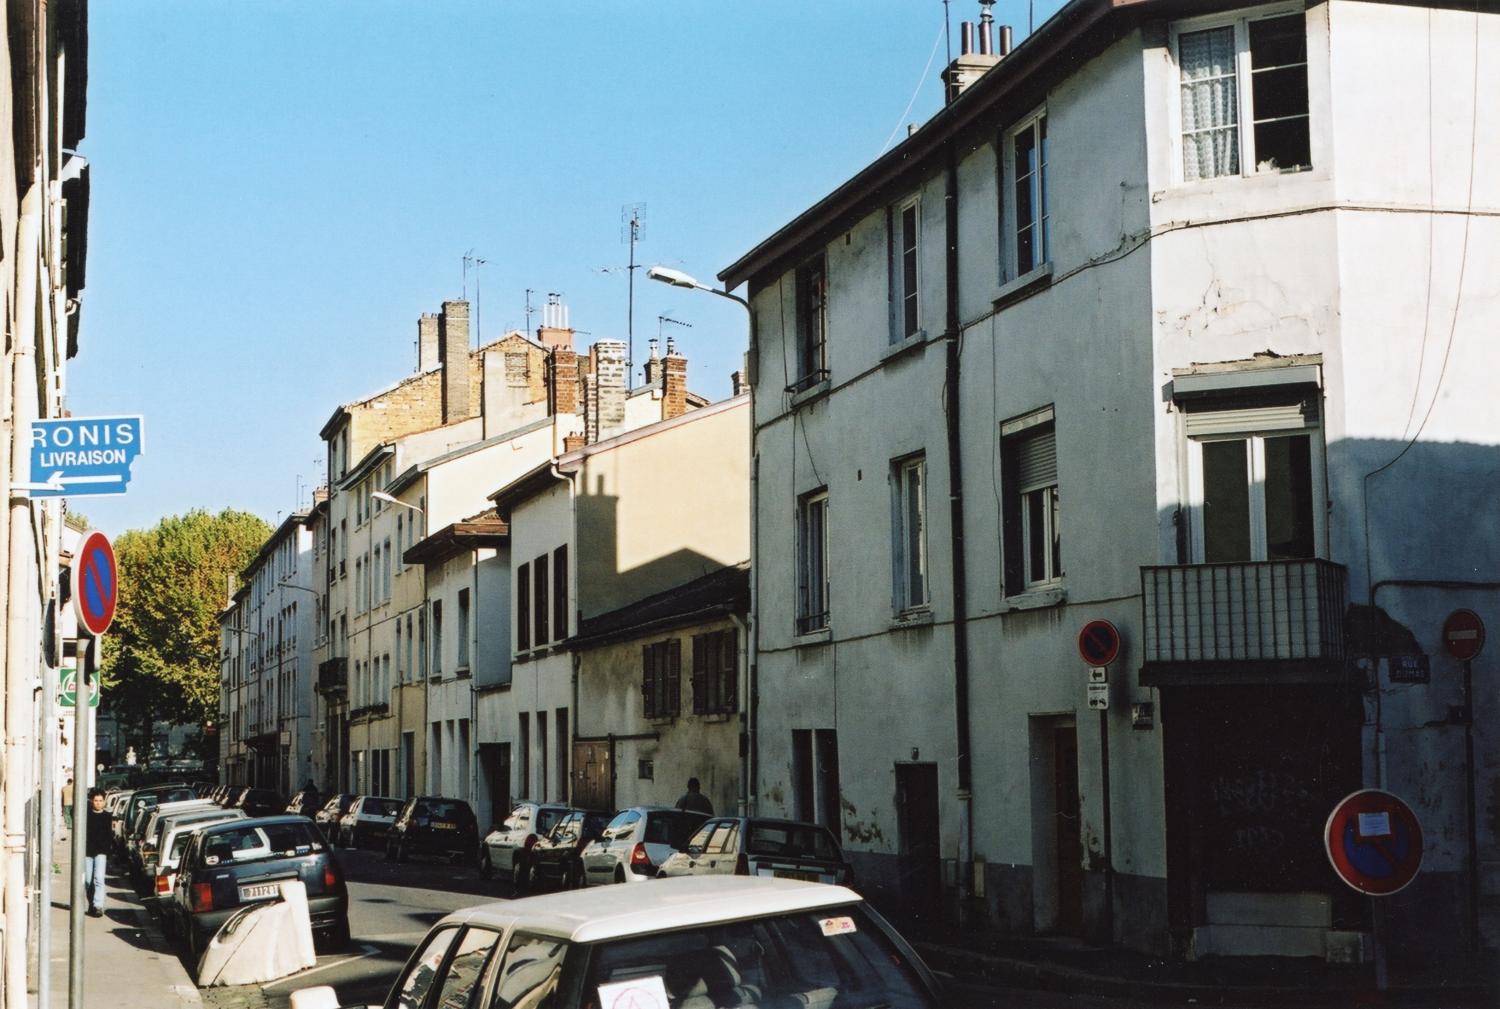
{"x":607,"y":417}
{"x":554,"y":330}
{"x":737,"y":383}
{"x":970,"y":65}
{"x":653,"y":365}
{"x":573,"y":442}
{"x":674,"y":384}
{"x":562,"y":381}
{"x":427,"y":342}
{"x":453,"y":328}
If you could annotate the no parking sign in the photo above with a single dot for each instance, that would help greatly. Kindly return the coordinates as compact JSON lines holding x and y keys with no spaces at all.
{"x":1374,"y":842}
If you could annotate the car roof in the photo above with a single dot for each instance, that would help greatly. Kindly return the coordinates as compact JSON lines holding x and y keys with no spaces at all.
{"x":256,"y":821}
{"x":194,"y":823}
{"x":611,"y":912}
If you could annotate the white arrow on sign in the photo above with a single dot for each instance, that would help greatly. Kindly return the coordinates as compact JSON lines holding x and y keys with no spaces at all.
{"x":54,"y":483}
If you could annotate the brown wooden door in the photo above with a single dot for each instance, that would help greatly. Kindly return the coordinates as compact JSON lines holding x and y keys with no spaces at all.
{"x":1069,"y":838}
{"x":593,"y":777}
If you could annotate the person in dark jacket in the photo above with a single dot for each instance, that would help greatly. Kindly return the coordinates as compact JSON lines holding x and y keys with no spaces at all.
{"x":97,"y":843}
{"x":694,"y":800}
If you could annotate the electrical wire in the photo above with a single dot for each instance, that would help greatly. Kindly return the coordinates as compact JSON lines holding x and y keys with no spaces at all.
{"x":1416,"y":389}
{"x":918,"y":90}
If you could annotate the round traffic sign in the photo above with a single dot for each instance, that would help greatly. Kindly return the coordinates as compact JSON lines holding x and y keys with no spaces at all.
{"x":1374,"y":842}
{"x":1099,"y":643}
{"x":96,"y":587}
{"x":1463,"y":634}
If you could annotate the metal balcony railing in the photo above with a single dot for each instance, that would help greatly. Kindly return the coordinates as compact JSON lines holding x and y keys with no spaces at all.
{"x":1253,"y":622}
{"x":333,"y":675}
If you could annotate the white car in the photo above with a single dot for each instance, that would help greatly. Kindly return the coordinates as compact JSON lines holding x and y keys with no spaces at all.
{"x":681,"y":943}
{"x":507,"y":848}
{"x":636,"y":842}
{"x":368,"y":821}
{"x":137,"y":843}
{"x":179,"y":831}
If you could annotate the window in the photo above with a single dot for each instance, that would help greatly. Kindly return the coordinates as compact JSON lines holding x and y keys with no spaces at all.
{"x":715,"y":657}
{"x":560,"y":592}
{"x":812,"y":323}
{"x":422,"y":644}
{"x":661,"y":676}
{"x":1248,"y":71}
{"x":418,"y":982}
{"x":465,"y":967}
{"x":560,"y":725}
{"x":359,"y":583}
{"x":401,"y":667}
{"x":1255,"y":475}
{"x":463,"y":629}
{"x":906,"y":277}
{"x":523,"y":607}
{"x":909,"y":532}
{"x":541,"y":750}
{"x":815,"y":777}
{"x":400,"y":540}
{"x":1033,"y":540}
{"x":437,"y":637}
{"x":531,"y":973}
{"x":812,"y":562}
{"x":539,"y":579}
{"x":523,"y":744}
{"x":1033,"y":222}
{"x":411,"y":641}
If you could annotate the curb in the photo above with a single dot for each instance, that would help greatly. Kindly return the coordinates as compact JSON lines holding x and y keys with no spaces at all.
{"x":973,"y":965}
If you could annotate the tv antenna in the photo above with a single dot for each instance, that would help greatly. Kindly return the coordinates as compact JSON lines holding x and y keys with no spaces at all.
{"x":529,"y":311}
{"x":632,"y":229}
{"x":667,"y":318}
{"x":474,"y":262}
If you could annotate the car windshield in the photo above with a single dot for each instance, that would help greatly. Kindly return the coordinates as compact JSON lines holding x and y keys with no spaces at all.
{"x":792,"y":839}
{"x":672,"y":828}
{"x":254,"y":842}
{"x":833,"y":956}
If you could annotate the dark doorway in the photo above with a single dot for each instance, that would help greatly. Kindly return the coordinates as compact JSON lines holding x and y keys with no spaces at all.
{"x":920,"y":840}
{"x":1068,"y":832}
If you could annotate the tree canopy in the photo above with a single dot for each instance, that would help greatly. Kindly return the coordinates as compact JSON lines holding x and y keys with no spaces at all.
{"x":161,"y":656}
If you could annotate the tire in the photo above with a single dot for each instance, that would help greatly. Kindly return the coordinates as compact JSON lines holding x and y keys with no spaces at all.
{"x":486,"y":867}
{"x":619,"y":874}
{"x":573,"y":877}
{"x":390,"y":851}
{"x":401,"y":853}
{"x":520,"y":876}
{"x":338,"y":936}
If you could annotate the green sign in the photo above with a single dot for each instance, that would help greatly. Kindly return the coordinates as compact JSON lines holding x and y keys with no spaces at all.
{"x":67,"y":694}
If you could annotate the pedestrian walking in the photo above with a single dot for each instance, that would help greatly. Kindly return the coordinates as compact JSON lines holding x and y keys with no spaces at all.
{"x":67,"y":803}
{"x":694,"y":800}
{"x":96,"y":852}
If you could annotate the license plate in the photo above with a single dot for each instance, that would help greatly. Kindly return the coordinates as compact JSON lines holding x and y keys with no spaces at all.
{"x":445,"y":826}
{"x":259,"y":891}
{"x":810,"y":877}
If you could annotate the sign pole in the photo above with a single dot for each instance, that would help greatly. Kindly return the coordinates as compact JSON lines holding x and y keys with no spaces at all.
{"x":1473,"y":908}
{"x":1109,"y":855}
{"x":81,"y":759}
{"x":46,"y":833}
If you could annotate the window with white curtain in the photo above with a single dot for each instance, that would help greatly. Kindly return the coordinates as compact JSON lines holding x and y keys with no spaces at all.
{"x":1243,"y":96}
{"x":909,"y":532}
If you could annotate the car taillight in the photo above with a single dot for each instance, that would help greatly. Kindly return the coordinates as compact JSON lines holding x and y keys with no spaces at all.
{"x":202,"y":897}
{"x":330,"y":878}
{"x":163,"y":884}
{"x":742,"y":865}
{"x":640,"y":859}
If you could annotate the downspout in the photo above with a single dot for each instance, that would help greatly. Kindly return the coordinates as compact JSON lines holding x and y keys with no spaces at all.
{"x":951,"y":337}
{"x":742,"y":629}
{"x":474,"y":666}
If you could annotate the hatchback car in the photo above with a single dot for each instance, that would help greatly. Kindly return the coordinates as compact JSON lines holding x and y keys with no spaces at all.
{"x":261,"y":802}
{"x":554,"y":859}
{"x":682,"y":943}
{"x":636,"y":842}
{"x":228,"y":865}
{"x":368,"y":821}
{"x":760,"y":846}
{"x":507,"y":848}
{"x":432,"y":825}
{"x":142,"y":840}
{"x":143,"y":799}
{"x":161,"y":867}
{"x":333,"y":810}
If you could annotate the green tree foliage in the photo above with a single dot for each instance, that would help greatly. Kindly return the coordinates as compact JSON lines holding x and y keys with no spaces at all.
{"x":161,"y":656}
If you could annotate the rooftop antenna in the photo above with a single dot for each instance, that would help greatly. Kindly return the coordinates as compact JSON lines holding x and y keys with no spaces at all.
{"x":468,"y":259}
{"x":529,"y":311}
{"x":948,"y":31}
{"x":632,"y":227}
{"x":666,"y":318}
{"x":478,"y":303}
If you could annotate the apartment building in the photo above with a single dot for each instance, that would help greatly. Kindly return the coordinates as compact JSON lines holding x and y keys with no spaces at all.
{"x":1152,"y":323}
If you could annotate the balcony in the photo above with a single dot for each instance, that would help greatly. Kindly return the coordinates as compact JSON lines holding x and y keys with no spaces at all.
{"x":1244,"y":623}
{"x":333,"y":677}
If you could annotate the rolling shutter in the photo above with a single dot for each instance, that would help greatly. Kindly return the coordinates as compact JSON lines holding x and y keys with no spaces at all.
{"x":1249,"y":419}
{"x":1036,"y":460}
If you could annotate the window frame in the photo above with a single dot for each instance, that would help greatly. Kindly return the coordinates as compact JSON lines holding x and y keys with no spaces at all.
{"x":812,"y":314}
{"x":661,"y":679}
{"x":523,"y":607}
{"x":902,"y":598}
{"x":1016,"y":572}
{"x":1031,"y":122}
{"x":461,"y":641}
{"x":905,"y":325}
{"x":808,"y":619}
{"x":1244,"y":96}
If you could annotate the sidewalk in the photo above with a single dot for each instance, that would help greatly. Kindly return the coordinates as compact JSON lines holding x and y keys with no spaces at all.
{"x":126,"y":964}
{"x":1070,"y":965}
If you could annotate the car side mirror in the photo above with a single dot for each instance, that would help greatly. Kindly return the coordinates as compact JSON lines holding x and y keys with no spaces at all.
{"x":694,"y":850}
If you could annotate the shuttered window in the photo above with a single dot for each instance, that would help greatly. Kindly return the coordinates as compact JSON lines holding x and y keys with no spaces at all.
{"x":714,"y":668}
{"x":1031,"y":506}
{"x":661,"y":679}
{"x":1203,"y":423}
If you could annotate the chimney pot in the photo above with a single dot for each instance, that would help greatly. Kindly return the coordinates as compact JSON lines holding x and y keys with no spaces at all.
{"x":1005,"y":40}
{"x":966,"y":38}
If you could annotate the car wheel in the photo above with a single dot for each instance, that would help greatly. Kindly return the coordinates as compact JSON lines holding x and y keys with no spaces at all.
{"x":390,"y":851}
{"x":338,"y":936}
{"x":401,"y":853}
{"x":520,"y":876}
{"x":573,"y":877}
{"x":486,"y":867}
{"x":619,"y":874}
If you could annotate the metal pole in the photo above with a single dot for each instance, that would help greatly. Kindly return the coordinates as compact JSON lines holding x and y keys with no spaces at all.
{"x":81,"y":757}
{"x":46,"y":829}
{"x":1109,"y":853}
{"x":1470,"y":803}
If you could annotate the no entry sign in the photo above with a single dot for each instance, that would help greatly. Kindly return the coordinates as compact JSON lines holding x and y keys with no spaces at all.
{"x":96,"y":587}
{"x":1099,"y":643}
{"x":1463,"y":634}
{"x":1374,"y":842}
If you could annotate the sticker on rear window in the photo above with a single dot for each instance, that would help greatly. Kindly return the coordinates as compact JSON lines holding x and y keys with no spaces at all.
{"x":637,"y":993}
{"x":841,"y":925}
{"x":211,"y":860}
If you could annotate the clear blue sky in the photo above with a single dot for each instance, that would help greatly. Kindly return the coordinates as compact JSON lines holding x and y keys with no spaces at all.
{"x":280,"y":189}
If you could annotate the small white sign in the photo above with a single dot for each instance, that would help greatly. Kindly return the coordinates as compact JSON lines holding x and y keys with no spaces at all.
{"x":637,"y":993}
{"x":1374,"y":825}
{"x":1098,"y":674}
{"x":841,"y":925}
{"x":1099,"y":696}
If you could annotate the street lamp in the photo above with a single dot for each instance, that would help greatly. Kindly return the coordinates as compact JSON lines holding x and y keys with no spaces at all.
{"x":676,"y":278}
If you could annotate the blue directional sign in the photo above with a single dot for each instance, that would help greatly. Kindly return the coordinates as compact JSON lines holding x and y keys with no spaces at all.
{"x":76,"y":456}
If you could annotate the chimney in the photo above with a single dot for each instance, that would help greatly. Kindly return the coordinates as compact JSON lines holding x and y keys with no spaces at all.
{"x":608,"y":397}
{"x":562,"y":381}
{"x":573,"y":442}
{"x":674,"y":384}
{"x":320,"y":494}
{"x":737,"y":383}
{"x":554,"y":330}
{"x":453,"y":327}
{"x":427,"y":342}
{"x":653,"y":364}
{"x":971,"y":65}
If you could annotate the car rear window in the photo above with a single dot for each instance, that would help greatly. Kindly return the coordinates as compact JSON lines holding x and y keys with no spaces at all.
{"x":792,"y":839}
{"x":546,"y":819}
{"x":439,"y":809}
{"x":255,"y":842}
{"x":672,"y":828}
{"x":381,"y":807}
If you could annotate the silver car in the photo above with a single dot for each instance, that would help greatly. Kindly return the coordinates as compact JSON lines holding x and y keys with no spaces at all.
{"x":507,"y":848}
{"x":162,"y":870}
{"x":762,"y":846}
{"x":368,"y":821}
{"x":636,"y":842}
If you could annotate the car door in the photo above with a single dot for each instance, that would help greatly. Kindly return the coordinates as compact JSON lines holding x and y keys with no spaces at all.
{"x":512,"y":832}
{"x":601,"y":857}
{"x":720,"y":854}
{"x":692,"y":860}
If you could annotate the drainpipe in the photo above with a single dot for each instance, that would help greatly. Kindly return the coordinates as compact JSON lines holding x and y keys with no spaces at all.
{"x":742,"y":628}
{"x":951,"y":334}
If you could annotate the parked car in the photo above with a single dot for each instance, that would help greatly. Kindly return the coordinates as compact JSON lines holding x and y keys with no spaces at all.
{"x":761,"y":846}
{"x":680,"y":943}
{"x":636,"y":842}
{"x":368,"y":822}
{"x":507,"y":848}
{"x":555,"y":858}
{"x":174,"y":834}
{"x":141,"y":800}
{"x":229,"y":865}
{"x":145,"y":827}
{"x":202,"y":788}
{"x":305,"y":802}
{"x":432,"y":825}
{"x":261,"y":802}
{"x":333,"y":810}
{"x":232,"y":795}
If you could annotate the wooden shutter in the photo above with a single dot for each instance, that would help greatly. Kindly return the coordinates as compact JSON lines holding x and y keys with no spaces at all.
{"x":648,"y":680}
{"x":702,"y":645}
{"x":729,"y":693}
{"x":673,"y":704}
